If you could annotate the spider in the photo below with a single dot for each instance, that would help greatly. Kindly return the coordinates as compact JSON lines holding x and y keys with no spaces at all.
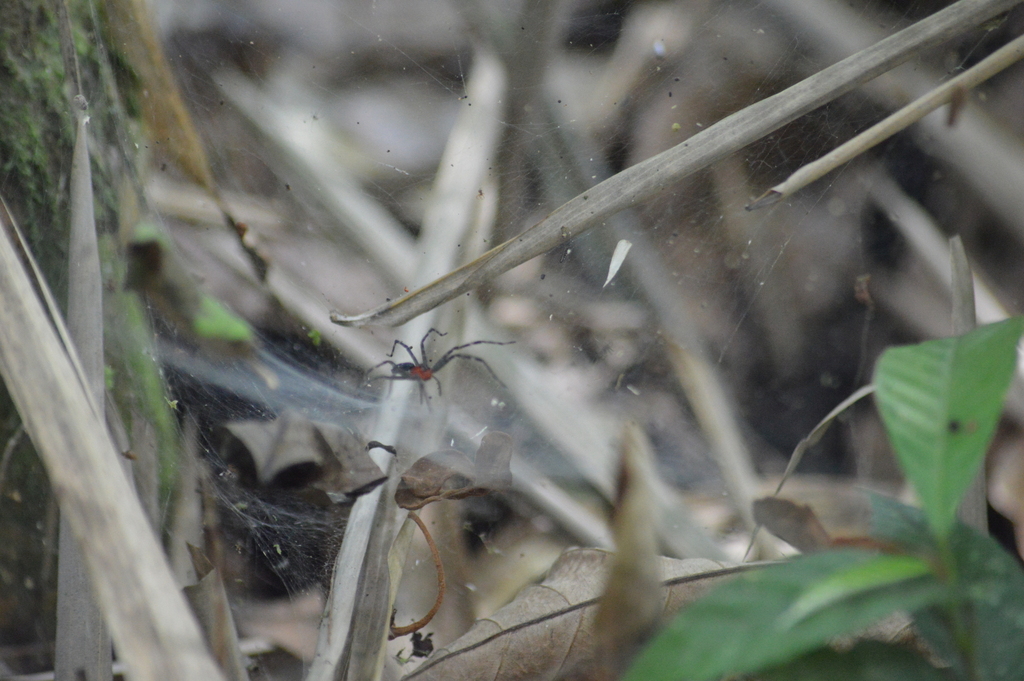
{"x":420,"y":369}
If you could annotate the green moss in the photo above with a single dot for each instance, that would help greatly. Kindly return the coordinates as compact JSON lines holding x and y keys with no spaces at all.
{"x":138,"y":387}
{"x":35,"y":130}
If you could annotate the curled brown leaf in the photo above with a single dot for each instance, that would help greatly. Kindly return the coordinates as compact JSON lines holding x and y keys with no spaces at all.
{"x":449,"y":474}
{"x":793,"y":523}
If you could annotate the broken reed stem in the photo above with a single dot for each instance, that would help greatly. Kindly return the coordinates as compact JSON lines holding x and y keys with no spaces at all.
{"x":441,"y":584}
{"x":952,"y":90}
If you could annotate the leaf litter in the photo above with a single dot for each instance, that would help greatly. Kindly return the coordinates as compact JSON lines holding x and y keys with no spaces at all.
{"x":459,"y":478}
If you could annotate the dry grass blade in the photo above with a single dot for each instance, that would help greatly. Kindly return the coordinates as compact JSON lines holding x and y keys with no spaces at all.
{"x":965,"y":318}
{"x":85,"y":289}
{"x":631,"y":603}
{"x":1007,"y":55}
{"x":82,"y":641}
{"x":548,"y":630}
{"x":926,"y":238}
{"x":648,"y":178}
{"x":987,"y":157}
{"x":819,"y":431}
{"x":170,"y":124}
{"x":164,"y":110}
{"x":305,"y":151}
{"x":806,"y":443}
{"x":154,"y":632}
{"x":209,"y":601}
{"x":364,"y":542}
{"x":711,"y":405}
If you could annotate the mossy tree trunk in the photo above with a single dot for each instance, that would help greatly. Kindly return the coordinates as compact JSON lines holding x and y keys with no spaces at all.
{"x":39,"y":75}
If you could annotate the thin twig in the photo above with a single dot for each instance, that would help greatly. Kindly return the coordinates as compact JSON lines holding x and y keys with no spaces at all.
{"x":911,"y":113}
{"x":442,"y":586}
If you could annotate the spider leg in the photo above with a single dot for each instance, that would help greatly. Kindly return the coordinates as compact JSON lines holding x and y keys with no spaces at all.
{"x":377,"y":366}
{"x":451,"y":354}
{"x":423,"y":344}
{"x":407,"y":349}
{"x":487,"y":366}
{"x":438,"y":385}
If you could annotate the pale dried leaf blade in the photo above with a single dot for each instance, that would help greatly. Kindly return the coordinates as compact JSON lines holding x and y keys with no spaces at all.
{"x":85,"y":287}
{"x":965,"y":318}
{"x":793,"y":523}
{"x":163,"y":108}
{"x":200,"y":563}
{"x":819,"y":431}
{"x":548,"y":630}
{"x":82,"y":639}
{"x":648,"y":178}
{"x":632,"y":601}
{"x":618,"y":257}
{"x":145,"y":611}
{"x":209,"y":602}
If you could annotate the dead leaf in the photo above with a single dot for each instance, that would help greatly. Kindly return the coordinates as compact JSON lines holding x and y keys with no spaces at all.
{"x":493,"y":461}
{"x":631,"y":603}
{"x":327,"y":457}
{"x":548,"y":630}
{"x":449,"y":474}
{"x":209,"y":602}
{"x":793,"y":523}
{"x":445,"y":474}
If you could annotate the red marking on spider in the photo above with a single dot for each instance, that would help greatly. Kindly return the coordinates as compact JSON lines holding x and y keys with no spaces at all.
{"x":420,"y":368}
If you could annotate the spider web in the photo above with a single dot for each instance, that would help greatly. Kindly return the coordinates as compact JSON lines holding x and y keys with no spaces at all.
{"x":770,"y":293}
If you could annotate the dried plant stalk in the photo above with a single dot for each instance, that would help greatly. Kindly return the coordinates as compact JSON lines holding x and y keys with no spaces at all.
{"x":155,"y":634}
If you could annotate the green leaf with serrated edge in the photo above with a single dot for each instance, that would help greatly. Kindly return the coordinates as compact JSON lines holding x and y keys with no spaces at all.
{"x":940,"y":401}
{"x":214,"y":321}
{"x":879,"y":572}
{"x":867,"y":661}
{"x":735,"y":629}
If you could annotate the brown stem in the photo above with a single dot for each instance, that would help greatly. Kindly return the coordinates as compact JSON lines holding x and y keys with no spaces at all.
{"x":441,"y":585}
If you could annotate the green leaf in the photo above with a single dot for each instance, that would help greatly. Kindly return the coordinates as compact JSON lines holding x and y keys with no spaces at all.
{"x":867,"y":661}
{"x":989,"y":584}
{"x":873,"y":574}
{"x":987,"y":588}
{"x":940,"y":402}
{"x":214,"y":321}
{"x":900,"y":524}
{"x":740,"y":627}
